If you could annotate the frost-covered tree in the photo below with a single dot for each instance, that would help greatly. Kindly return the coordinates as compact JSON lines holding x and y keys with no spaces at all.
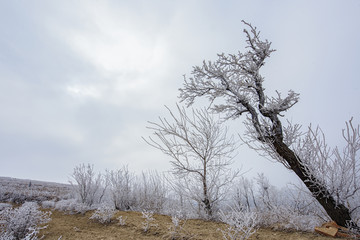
{"x":236,"y":81}
{"x":201,"y":154}
{"x":121,"y":184}
{"x":89,"y":186}
{"x":244,"y":195}
{"x":151,"y":192}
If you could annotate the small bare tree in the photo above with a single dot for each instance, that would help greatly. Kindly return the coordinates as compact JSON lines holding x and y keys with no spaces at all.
{"x":151,"y":191}
{"x":201,"y":154}
{"x":244,"y":196}
{"x":236,"y":80}
{"x":89,"y":186}
{"x":121,"y":188}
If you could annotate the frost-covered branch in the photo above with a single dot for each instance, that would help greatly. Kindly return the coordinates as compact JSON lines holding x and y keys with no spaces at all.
{"x":201,"y":153}
{"x":89,"y":186}
{"x":234,"y":87}
{"x":337,"y":169}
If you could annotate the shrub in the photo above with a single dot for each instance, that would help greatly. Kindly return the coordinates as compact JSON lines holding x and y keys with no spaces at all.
{"x":103,"y":214}
{"x":4,"y":206}
{"x":284,"y":218}
{"x":148,"y":223}
{"x":122,"y":221}
{"x":241,"y":224}
{"x":176,"y":230}
{"x":48,"y":204}
{"x":23,"y":222}
{"x":71,"y":206}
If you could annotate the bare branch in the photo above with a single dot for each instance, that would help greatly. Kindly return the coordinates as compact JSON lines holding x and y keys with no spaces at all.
{"x":201,"y":153}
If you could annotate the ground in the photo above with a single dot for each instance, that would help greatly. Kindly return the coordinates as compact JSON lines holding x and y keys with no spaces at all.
{"x":79,"y":226}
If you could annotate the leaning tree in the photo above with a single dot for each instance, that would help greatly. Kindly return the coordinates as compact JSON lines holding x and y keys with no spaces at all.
{"x":236,"y":81}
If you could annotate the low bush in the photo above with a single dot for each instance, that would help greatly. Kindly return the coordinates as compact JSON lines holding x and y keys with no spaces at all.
{"x":284,"y":218}
{"x":23,"y":222}
{"x":48,"y":204}
{"x":103,"y":214}
{"x":71,"y":206}
{"x":148,"y":220}
{"x":241,"y":224}
{"x":4,"y":206}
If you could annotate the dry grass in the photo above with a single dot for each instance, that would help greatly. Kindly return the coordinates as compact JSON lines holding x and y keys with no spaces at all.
{"x":80,"y":227}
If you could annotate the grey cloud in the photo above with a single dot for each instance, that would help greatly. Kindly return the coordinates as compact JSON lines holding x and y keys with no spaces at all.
{"x":61,"y":104}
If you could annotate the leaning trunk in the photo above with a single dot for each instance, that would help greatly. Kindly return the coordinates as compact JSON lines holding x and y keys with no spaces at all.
{"x":337,"y":212}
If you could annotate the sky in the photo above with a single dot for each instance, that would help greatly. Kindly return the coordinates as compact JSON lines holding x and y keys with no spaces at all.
{"x":80,"y":79}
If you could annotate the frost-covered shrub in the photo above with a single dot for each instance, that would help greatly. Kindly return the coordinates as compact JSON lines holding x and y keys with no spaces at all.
{"x":48,"y":204}
{"x":176,"y":229}
{"x":122,"y":221}
{"x":6,"y":236}
{"x":4,"y":206}
{"x":148,"y":220}
{"x":103,"y":214}
{"x":23,"y":222}
{"x":241,"y":224}
{"x":71,"y":206}
{"x":282,"y":218}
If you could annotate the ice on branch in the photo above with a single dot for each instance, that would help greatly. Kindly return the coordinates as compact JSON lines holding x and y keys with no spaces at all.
{"x":233,"y":85}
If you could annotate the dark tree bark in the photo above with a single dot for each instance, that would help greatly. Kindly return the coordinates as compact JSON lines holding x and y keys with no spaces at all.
{"x":337,"y":212}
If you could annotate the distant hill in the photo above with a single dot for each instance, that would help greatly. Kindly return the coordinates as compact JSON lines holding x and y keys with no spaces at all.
{"x":20,"y":190}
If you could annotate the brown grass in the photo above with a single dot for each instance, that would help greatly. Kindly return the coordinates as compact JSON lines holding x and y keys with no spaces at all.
{"x":80,"y":227}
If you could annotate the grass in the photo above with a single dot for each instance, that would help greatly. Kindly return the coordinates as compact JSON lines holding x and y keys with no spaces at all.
{"x":79,"y":226}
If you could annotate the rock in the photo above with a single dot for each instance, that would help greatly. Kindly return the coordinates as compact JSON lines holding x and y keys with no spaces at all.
{"x":328,"y":231}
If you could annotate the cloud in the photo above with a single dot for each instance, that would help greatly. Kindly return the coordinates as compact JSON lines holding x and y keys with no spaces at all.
{"x":79,"y":80}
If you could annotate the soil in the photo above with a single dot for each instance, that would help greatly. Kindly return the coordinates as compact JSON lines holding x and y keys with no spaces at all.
{"x":79,"y":226}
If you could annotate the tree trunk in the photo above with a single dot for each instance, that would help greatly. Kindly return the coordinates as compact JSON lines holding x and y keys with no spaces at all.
{"x":206,"y":200}
{"x":337,"y":212}
{"x":207,"y":207}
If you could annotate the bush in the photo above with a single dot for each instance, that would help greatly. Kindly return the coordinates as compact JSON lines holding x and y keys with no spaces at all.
{"x":23,"y":222}
{"x":48,"y":204}
{"x":71,"y":206}
{"x":103,"y":214}
{"x":122,"y":221}
{"x":284,"y":218}
{"x":176,"y":229}
{"x":242,"y":224}
{"x":4,"y":206}
{"x":148,"y":220}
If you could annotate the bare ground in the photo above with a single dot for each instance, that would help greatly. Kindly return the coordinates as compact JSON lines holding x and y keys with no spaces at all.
{"x":80,"y":227}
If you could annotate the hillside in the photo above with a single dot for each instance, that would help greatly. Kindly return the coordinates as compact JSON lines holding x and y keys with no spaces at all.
{"x":79,"y":226}
{"x":19,"y":190}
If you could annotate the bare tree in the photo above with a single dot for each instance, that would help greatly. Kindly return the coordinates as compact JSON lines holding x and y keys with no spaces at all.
{"x":236,"y":80}
{"x":201,"y":154}
{"x":244,"y":197}
{"x":121,"y":188}
{"x":88,"y":185}
{"x":151,"y":191}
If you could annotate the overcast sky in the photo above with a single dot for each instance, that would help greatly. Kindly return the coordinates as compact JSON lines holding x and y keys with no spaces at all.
{"x":80,"y":79}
